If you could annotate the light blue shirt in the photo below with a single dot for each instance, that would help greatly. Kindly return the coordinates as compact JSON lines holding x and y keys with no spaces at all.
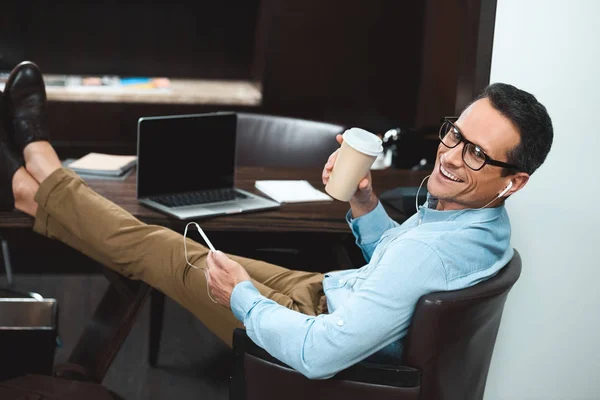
{"x":370,"y":308}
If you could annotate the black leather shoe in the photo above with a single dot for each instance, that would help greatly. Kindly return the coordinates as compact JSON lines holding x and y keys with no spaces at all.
{"x":25,"y":105}
{"x":10,"y":162}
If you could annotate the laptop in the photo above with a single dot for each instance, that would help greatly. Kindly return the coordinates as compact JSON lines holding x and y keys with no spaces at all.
{"x":186,"y":166}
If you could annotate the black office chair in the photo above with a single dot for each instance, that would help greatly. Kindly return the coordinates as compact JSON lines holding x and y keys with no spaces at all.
{"x":272,"y":141}
{"x":267,"y":141}
{"x":447,"y":354}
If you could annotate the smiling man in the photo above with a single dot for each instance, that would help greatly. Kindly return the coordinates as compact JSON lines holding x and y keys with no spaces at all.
{"x":317,"y":323}
{"x":489,"y":131}
{"x":458,"y":238}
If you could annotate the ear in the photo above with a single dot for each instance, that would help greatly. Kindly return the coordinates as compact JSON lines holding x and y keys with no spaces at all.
{"x":519,"y":181}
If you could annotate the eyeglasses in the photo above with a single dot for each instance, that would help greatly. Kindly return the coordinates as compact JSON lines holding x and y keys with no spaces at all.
{"x":473,"y":156}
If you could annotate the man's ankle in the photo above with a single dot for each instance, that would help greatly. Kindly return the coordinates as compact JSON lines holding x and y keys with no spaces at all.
{"x":40,"y":147}
{"x":41,"y":160}
{"x":24,"y":188}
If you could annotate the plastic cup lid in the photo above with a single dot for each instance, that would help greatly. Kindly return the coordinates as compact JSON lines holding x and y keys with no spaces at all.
{"x":363,"y":141}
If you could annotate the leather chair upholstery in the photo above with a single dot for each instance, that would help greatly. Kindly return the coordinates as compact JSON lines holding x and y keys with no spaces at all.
{"x":272,"y":141}
{"x":447,"y":354}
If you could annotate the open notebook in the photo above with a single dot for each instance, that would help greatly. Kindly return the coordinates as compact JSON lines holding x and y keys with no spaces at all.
{"x":291,"y":191}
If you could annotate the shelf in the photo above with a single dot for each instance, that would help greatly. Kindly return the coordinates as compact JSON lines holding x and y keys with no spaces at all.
{"x":181,"y":91}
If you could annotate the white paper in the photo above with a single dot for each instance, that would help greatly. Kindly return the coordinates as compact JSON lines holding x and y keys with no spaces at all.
{"x":291,"y":191}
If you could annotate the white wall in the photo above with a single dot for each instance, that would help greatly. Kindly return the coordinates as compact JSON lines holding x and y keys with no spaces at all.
{"x":549,"y":341}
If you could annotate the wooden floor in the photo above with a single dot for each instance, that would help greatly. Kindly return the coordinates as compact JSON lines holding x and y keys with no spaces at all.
{"x":193,"y":363}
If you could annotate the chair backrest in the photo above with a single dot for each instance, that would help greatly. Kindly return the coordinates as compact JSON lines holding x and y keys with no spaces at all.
{"x":452,"y":336}
{"x":272,"y":141}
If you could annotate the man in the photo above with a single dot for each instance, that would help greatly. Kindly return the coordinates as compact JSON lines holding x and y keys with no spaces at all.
{"x":318,"y":324}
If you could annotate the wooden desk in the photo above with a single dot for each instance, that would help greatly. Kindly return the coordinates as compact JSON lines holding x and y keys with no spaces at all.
{"x":317,"y":229}
{"x":325,"y":217}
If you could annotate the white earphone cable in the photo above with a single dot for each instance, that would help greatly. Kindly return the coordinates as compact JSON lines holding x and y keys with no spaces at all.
{"x":186,"y":256}
{"x":418,"y":190}
{"x":494,"y":199}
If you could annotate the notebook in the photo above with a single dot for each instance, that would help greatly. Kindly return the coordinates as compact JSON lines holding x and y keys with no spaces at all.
{"x":103,"y":164}
{"x":291,"y":191}
{"x":186,"y":166}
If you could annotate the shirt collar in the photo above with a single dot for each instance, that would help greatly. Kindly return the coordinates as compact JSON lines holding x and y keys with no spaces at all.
{"x":428,"y":213}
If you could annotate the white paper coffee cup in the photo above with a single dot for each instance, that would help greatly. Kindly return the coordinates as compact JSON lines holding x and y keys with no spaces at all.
{"x":359,"y":150}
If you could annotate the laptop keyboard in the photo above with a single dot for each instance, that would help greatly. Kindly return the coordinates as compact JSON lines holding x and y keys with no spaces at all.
{"x":195,"y":198}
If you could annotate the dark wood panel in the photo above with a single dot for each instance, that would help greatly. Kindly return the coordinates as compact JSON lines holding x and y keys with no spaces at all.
{"x":479,"y":17}
{"x":184,"y":38}
{"x":345,"y":61}
{"x":441,"y":34}
{"x":457,"y":52}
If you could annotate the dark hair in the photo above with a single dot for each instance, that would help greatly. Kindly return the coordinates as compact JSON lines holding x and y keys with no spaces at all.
{"x":530,"y":118}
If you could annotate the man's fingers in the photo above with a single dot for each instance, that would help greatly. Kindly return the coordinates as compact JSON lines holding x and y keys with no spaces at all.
{"x":328,"y":167}
{"x":210,"y":260}
{"x":363,"y":184}
{"x":339,"y":138}
{"x":332,"y":157}
{"x":213,"y":261}
{"x":216,"y":260}
{"x":221,"y":260}
{"x":213,"y":275}
{"x":329,"y":164}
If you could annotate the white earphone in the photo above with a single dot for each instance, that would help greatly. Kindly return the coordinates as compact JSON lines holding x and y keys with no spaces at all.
{"x":502,"y":193}
{"x":506,"y":189}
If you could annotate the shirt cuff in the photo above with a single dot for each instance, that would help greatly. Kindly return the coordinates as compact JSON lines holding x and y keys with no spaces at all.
{"x":368,"y":227}
{"x":243,"y":298}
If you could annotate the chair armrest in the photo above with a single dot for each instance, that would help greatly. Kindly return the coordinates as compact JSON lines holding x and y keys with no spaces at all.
{"x":387,"y":375}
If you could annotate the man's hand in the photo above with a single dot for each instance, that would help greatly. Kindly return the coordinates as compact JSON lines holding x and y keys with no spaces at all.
{"x":223,"y":274}
{"x":364,"y":200}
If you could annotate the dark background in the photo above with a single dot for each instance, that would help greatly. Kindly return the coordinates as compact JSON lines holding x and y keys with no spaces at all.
{"x":376,"y":64}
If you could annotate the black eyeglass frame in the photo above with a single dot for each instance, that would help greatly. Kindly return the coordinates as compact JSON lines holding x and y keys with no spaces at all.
{"x":488,"y":159}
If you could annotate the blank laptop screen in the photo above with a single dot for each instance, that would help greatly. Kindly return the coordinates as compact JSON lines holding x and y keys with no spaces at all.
{"x":185,"y":153}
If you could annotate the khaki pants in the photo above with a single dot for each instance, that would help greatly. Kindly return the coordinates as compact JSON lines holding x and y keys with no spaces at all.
{"x":79,"y":217}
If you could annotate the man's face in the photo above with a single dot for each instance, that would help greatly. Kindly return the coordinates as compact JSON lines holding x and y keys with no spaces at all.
{"x":483,"y":125}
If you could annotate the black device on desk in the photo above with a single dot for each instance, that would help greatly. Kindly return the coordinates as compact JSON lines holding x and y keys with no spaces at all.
{"x":186,"y":166}
{"x":411,"y":148}
{"x":403,"y":199}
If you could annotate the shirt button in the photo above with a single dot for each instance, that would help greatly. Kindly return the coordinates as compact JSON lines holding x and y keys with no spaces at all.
{"x":340,"y":322}
{"x":341,"y":281}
